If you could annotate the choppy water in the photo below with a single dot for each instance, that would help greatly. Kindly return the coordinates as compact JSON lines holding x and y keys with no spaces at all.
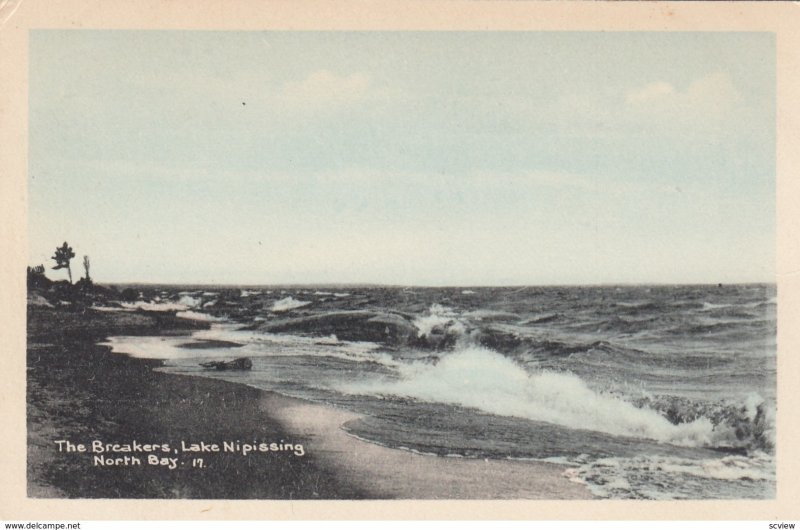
{"x":662,"y":392}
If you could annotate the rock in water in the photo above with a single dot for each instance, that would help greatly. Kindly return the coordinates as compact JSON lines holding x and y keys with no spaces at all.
{"x":242,"y":363}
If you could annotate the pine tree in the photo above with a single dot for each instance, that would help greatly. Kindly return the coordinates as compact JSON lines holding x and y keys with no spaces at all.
{"x":62,"y":258}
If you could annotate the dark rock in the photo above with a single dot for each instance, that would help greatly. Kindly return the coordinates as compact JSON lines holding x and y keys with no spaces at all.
{"x":242,"y":363}
{"x":129,"y":294}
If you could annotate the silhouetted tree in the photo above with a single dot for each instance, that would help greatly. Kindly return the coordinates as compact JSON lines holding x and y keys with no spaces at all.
{"x":62,"y":258}
{"x":36,"y":277}
{"x":86,"y":268}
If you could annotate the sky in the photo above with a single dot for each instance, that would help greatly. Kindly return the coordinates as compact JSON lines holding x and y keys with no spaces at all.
{"x":404,"y":158}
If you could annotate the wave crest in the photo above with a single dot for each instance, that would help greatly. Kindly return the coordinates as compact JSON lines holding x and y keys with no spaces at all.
{"x":483,"y":379}
{"x":748,"y":425}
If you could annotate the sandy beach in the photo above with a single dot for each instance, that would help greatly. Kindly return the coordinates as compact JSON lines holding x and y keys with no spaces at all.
{"x":80,"y":392}
{"x":397,"y":474}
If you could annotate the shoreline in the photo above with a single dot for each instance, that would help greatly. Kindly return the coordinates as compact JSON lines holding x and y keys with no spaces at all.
{"x":403,"y":474}
{"x":91,"y":393}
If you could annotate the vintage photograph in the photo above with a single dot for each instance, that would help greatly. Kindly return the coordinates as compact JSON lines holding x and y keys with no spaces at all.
{"x":292,"y":265}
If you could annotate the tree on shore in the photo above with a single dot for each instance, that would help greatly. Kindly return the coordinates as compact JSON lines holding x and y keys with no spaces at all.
{"x":62,"y":258}
{"x":86,"y":268}
{"x":36,"y":277}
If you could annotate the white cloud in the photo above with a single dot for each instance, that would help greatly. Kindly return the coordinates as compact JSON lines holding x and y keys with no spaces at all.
{"x":652,"y":91}
{"x":711,"y":96}
{"x":325,"y":87}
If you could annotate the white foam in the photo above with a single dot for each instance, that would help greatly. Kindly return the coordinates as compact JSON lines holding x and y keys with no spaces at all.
{"x":751,"y":403}
{"x":484,"y":379}
{"x":156,"y":347}
{"x":631,"y":304}
{"x":730,"y":468}
{"x":438,"y":318}
{"x":467,"y":291}
{"x":107,"y":308}
{"x":194,"y":315}
{"x":245,"y":293}
{"x":154,"y":306}
{"x":708,"y":306}
{"x":612,"y":477}
{"x":189,"y":301}
{"x":253,"y":344}
{"x":489,"y":314}
{"x":287,"y":304}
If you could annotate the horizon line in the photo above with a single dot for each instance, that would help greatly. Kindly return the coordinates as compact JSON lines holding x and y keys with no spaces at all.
{"x":425,"y":286}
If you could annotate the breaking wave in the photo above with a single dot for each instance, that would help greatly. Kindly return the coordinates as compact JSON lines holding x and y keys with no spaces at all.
{"x":287,"y":304}
{"x":747,"y":425}
{"x":189,"y":301}
{"x":440,"y":327}
{"x":479,"y":378}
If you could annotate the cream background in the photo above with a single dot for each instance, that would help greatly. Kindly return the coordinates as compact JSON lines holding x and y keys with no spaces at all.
{"x":17,"y":17}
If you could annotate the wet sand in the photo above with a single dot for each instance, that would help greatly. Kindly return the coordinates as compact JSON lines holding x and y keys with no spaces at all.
{"x":398,"y":474}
